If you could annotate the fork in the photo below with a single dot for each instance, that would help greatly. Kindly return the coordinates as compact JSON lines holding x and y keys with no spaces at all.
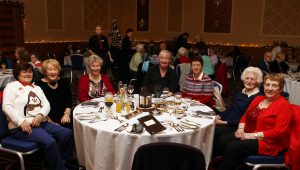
{"x":116,"y":118}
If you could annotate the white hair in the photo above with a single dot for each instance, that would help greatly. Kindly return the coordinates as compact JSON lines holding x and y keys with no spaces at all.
{"x":256,"y":71}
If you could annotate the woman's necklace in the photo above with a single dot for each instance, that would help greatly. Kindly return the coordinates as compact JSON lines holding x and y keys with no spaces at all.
{"x":95,"y":79}
{"x":53,"y":85}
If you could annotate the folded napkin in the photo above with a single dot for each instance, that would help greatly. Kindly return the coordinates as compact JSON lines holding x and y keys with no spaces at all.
{"x":87,"y":117}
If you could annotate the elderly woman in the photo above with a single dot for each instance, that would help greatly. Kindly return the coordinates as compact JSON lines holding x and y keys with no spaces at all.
{"x":198,"y":85}
{"x":27,"y":108}
{"x":162,"y":74}
{"x":136,"y":59}
{"x":279,"y":65}
{"x":264,"y":128}
{"x":227,"y":121}
{"x":58,"y":93}
{"x":94,"y":84}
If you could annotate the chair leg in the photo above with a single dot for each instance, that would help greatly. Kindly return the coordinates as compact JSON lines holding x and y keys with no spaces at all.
{"x":22,"y":165}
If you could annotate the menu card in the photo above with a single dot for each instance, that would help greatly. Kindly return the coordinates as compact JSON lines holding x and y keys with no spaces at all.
{"x":151,"y":124}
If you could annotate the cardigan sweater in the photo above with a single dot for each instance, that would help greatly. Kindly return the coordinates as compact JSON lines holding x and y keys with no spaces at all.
{"x":201,"y":90}
{"x":83,"y":87}
{"x":274,"y":122}
{"x":238,"y":107}
{"x":59,"y":98}
{"x":23,"y":103}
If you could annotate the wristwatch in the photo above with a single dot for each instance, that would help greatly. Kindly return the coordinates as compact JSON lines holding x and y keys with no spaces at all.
{"x":255,"y":135}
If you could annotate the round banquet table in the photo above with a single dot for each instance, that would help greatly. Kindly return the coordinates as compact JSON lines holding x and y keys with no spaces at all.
{"x":99,"y":147}
{"x":292,"y":86}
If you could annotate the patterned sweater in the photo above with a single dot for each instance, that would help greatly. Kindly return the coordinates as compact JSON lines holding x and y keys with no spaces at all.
{"x":200,"y":89}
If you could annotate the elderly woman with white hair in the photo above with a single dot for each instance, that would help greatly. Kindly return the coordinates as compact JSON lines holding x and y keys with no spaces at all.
{"x":94,"y":84}
{"x":227,"y":121}
{"x":136,"y":59}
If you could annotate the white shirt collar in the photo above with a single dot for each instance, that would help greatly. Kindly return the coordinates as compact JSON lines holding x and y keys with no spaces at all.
{"x":250,"y":93}
{"x":200,"y":76}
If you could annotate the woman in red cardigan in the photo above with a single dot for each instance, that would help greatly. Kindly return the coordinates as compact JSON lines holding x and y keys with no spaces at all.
{"x":93,"y":84}
{"x":264,"y":128}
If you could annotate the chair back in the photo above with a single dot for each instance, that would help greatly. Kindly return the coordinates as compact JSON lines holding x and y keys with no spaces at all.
{"x":3,"y":124}
{"x":217,"y":86}
{"x":77,"y":62}
{"x":182,"y":70}
{"x":168,"y":156}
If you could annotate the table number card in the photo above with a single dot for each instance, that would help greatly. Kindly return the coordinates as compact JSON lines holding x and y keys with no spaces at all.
{"x":151,"y":124}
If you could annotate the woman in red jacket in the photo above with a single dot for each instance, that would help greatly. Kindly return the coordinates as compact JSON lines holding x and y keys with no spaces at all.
{"x":264,"y":128}
{"x":93,"y":84}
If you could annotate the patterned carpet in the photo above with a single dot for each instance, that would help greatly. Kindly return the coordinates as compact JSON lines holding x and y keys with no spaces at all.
{"x":37,"y":160}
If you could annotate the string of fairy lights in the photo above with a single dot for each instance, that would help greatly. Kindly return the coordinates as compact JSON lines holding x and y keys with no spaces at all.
{"x":154,"y":41}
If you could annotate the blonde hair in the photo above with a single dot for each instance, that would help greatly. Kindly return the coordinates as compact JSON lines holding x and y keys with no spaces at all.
{"x":51,"y":62}
{"x":139,"y":47}
{"x":182,"y":51}
{"x":256,"y":71}
{"x":275,"y":77}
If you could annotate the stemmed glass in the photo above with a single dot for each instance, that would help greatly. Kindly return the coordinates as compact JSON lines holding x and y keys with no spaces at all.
{"x":108,"y":100}
{"x":157,"y":90}
{"x":130,"y":90}
{"x":171,"y":110}
{"x":177,"y":99}
{"x":165,"y":91}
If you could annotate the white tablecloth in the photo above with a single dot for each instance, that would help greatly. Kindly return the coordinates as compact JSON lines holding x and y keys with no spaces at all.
{"x":292,"y":87}
{"x":99,"y":147}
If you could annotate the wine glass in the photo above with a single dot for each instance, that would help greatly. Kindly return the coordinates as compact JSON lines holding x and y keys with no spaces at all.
{"x":157,"y":90}
{"x":170,"y":110}
{"x":108,"y":100}
{"x":177,"y":99}
{"x":165,"y":92}
{"x":130,"y":90}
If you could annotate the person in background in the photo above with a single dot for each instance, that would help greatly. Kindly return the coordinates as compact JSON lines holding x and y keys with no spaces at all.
{"x":94,"y":84}
{"x":264,"y":128}
{"x":198,"y":85}
{"x":27,"y":108}
{"x":181,"y":41}
{"x":212,"y":53}
{"x":182,"y":56}
{"x":279,"y":65}
{"x":200,"y":45}
{"x":162,"y":74}
{"x":69,"y":50}
{"x":34,"y":60}
{"x":136,"y":59}
{"x":115,"y":48}
{"x":264,"y":64}
{"x":227,"y":121}
{"x":58,"y":93}
{"x":208,"y":67}
{"x":98,"y":44}
{"x":234,"y":52}
{"x":22,"y":55}
{"x":127,"y":52}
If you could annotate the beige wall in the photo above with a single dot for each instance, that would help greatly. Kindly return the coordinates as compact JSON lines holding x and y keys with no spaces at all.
{"x":246,"y":22}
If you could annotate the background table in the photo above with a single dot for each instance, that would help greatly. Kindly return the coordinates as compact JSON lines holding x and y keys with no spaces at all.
{"x":292,"y":87}
{"x":6,"y":78}
{"x":99,"y":147}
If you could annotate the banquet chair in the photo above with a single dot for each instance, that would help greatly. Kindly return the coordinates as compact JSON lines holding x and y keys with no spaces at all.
{"x":13,"y":146}
{"x":218,"y":86}
{"x":168,"y":156}
{"x":77,"y":64}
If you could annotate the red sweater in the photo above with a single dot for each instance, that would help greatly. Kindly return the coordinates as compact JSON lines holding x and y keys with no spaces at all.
{"x":274,"y":122}
{"x":83,"y":87}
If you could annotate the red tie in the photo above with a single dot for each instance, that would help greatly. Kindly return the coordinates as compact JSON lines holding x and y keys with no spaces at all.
{"x":100,"y":42}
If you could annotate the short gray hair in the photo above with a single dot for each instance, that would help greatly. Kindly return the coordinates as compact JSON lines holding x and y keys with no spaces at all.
{"x":165,"y":52}
{"x":256,"y":71}
{"x":95,"y":58}
{"x":182,"y":51}
{"x":139,"y":47}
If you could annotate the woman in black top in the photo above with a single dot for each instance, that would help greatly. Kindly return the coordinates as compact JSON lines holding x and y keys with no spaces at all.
{"x":58,"y":93}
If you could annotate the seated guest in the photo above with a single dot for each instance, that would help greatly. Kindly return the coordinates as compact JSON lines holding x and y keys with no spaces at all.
{"x":94,"y":84}
{"x":212,"y":53}
{"x":208,"y":67}
{"x":197,"y":85}
{"x":143,"y":68}
{"x":58,"y":93}
{"x":279,"y":65}
{"x":35,"y":61}
{"x":227,"y":121}
{"x":264,"y":64}
{"x":162,"y":74}
{"x":27,"y":108}
{"x":264,"y":128}
{"x":136,"y":59}
{"x":182,"y":57}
